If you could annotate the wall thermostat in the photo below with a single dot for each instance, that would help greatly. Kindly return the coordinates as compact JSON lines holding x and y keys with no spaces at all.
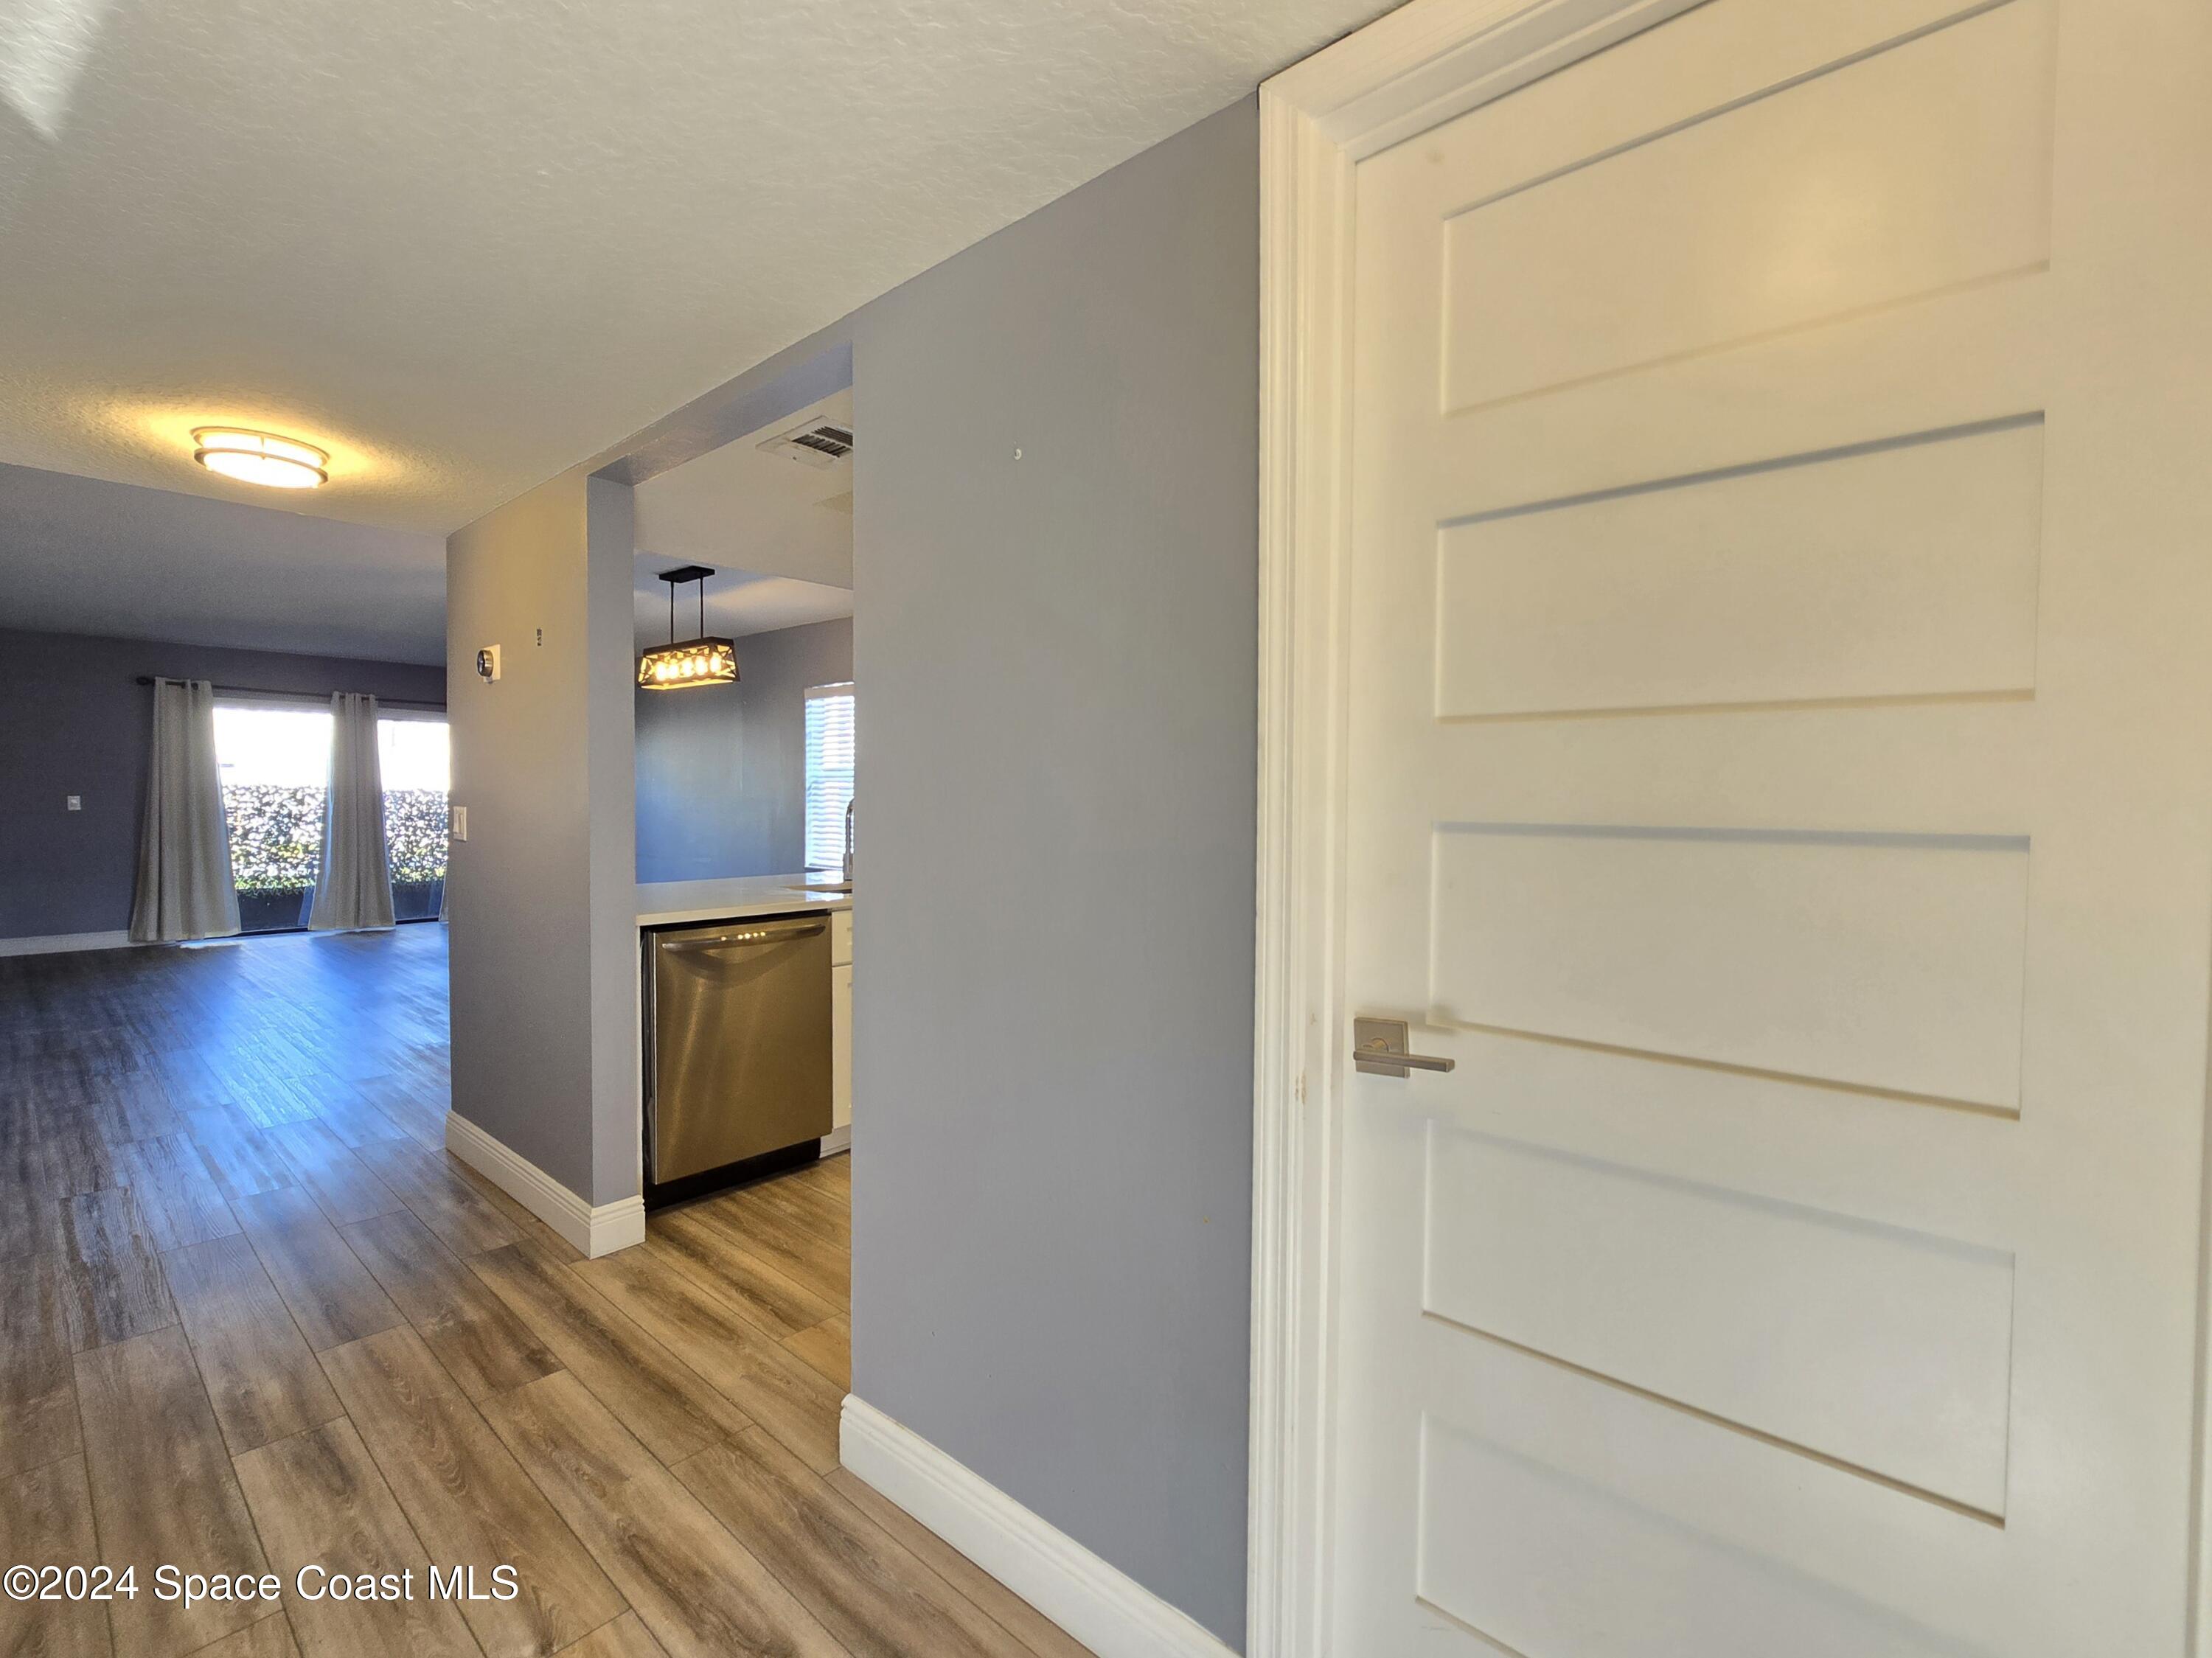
{"x":488,"y":663}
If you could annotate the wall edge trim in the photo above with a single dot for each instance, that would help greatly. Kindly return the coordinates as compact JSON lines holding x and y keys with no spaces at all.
{"x":1096,"y":1603}
{"x":597,"y":1231}
{"x":58,"y":944}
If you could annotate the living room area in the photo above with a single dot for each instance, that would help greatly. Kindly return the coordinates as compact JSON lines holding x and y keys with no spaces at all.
{"x":141,"y":810}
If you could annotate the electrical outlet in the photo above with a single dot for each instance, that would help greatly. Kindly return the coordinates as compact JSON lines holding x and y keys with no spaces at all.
{"x":456,"y":818}
{"x":77,"y":803}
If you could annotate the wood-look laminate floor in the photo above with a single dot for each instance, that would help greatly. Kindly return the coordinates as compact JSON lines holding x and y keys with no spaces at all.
{"x":252,"y":1316}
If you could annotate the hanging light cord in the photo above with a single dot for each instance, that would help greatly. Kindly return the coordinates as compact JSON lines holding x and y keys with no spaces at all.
{"x":703,"y":609}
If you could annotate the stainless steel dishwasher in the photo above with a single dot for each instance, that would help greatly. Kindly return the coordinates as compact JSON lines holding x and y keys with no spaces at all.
{"x":737,"y":1030}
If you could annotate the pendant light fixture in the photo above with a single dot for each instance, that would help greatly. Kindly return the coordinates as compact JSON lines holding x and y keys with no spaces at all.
{"x":701,"y":661}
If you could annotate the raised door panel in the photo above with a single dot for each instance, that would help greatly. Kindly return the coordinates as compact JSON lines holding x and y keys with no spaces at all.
{"x":1776,"y":729}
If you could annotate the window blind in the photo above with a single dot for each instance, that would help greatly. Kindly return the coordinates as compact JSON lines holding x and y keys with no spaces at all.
{"x":829,"y":772}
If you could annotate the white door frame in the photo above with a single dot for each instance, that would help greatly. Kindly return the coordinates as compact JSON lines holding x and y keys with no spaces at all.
{"x":1406,"y":72}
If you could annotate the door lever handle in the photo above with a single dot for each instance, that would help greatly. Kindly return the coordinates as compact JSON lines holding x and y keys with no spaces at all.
{"x":1378,"y":1049}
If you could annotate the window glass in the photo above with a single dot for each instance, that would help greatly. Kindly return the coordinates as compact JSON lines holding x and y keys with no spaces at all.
{"x":830,"y":753}
{"x":275,"y":759}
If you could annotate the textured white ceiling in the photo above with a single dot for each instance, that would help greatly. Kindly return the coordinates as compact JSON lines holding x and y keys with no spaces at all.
{"x":742,"y":506}
{"x":738,"y":603}
{"x":777,"y":532}
{"x":82,"y":557}
{"x":464,"y":244}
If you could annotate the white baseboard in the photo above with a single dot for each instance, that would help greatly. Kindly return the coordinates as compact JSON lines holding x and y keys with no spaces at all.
{"x":56,"y":944}
{"x":836,"y":1141}
{"x":1101,"y":1605}
{"x":596,"y":1231}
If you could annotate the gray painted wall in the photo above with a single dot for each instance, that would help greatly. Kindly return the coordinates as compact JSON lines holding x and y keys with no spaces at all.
{"x":721,"y":773}
{"x":541,"y":894}
{"x":1051,"y":1258}
{"x":77,"y":722}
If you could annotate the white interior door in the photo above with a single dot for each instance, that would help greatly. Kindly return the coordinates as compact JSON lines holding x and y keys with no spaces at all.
{"x":1780,"y":775}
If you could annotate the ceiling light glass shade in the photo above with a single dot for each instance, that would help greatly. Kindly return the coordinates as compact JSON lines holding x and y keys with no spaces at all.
{"x":259,"y":458}
{"x":694,"y":662}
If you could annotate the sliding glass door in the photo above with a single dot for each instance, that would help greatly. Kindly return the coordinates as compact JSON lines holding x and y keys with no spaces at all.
{"x":276,"y":763}
{"x":415,"y":754}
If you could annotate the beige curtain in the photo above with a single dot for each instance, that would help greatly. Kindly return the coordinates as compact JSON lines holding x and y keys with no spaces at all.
{"x":184,"y":887}
{"x":354,"y":887}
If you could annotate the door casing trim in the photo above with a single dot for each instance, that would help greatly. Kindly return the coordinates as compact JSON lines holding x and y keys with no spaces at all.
{"x":1401,"y":75}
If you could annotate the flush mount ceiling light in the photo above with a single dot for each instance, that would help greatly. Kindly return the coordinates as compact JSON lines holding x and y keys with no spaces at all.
{"x":259,"y":458}
{"x":701,"y":661}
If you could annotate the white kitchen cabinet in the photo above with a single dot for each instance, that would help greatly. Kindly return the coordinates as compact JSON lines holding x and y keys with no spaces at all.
{"x":840,"y":1045}
{"x":840,"y":1020}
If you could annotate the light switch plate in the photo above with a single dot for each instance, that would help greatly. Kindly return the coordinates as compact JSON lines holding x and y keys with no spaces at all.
{"x":457,"y":822}
{"x":77,"y":803}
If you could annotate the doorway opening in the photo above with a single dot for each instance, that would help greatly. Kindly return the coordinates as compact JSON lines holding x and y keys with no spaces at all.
{"x":746,"y":849}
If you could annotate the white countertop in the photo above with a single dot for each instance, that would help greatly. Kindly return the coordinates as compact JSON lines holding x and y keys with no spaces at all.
{"x":663,"y":903}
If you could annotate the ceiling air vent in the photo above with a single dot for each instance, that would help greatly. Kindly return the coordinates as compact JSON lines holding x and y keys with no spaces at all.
{"x":818,"y":443}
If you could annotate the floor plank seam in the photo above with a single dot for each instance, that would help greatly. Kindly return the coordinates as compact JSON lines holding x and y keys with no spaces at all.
{"x":212,"y":1089}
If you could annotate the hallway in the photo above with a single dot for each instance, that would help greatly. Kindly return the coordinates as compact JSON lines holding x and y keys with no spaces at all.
{"x":253,"y":1317}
